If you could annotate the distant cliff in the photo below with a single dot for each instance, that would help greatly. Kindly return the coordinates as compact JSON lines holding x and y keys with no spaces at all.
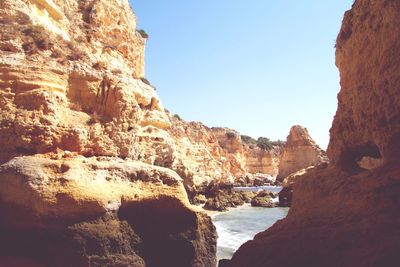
{"x":299,"y":152}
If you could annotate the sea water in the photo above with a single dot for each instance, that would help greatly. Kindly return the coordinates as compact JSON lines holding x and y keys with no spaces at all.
{"x":273,"y":189}
{"x":241,"y":224}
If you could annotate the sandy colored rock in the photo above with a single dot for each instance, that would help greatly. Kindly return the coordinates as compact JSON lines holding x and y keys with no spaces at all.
{"x":286,"y":194}
{"x":71,"y":78}
{"x":201,"y":154}
{"x":73,"y":83}
{"x":300,"y":151}
{"x":95,"y":199}
{"x":82,"y":186}
{"x":367,"y":122}
{"x":344,"y":215}
{"x":253,"y":158}
{"x":77,"y":186}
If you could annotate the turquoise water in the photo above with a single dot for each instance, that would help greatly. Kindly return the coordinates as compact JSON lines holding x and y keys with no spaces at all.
{"x":239,"y":225}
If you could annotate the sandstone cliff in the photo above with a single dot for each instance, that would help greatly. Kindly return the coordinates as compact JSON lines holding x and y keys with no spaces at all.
{"x":71,"y":79}
{"x":300,"y":152}
{"x":77,"y":185}
{"x":201,"y":155}
{"x":255,"y":158}
{"x":343,"y":214}
{"x":199,"y":158}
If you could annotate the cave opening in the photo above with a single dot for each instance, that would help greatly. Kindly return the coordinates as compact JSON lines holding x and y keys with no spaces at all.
{"x":368,"y":156}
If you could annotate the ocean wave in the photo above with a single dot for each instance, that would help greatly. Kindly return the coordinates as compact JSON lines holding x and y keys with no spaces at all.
{"x":237,"y":226}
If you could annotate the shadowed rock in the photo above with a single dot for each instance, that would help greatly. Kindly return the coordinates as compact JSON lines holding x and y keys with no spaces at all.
{"x":346,"y":215}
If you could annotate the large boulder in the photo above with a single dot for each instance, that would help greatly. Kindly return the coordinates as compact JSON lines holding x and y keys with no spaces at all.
{"x":99,"y":211}
{"x":224,"y":200}
{"x":263,"y":199}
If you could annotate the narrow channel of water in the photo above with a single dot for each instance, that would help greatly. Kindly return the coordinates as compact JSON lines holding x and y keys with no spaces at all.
{"x":241,"y":224}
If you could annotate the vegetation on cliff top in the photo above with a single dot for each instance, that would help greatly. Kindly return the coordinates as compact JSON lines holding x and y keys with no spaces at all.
{"x":262,"y":142}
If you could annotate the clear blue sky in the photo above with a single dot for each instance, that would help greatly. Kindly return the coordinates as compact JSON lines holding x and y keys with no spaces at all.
{"x":256,"y":66}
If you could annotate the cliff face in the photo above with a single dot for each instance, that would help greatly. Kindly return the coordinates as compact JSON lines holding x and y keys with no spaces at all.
{"x":74,"y":114}
{"x":201,"y":154}
{"x":367,"y":123}
{"x":300,"y":152}
{"x":253,"y":158}
{"x":199,"y":157}
{"x":342,"y":214}
{"x":70,"y":81}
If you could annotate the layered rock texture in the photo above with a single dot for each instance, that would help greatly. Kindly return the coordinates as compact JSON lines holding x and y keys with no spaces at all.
{"x":300,"y":152}
{"x":93,"y":170}
{"x":256,"y":159}
{"x":201,"y":155}
{"x":343,"y":214}
{"x":98,"y":212}
{"x":78,"y":186}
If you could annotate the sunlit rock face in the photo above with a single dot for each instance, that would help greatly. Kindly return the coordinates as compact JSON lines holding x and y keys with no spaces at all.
{"x":201,"y":154}
{"x":76,"y":185}
{"x":300,"y":152}
{"x":253,"y":158}
{"x":346,"y":213}
{"x":367,"y":123}
{"x":69,"y":79}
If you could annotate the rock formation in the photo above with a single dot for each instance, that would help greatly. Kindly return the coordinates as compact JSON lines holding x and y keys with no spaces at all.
{"x":77,"y":185}
{"x":264,"y":199}
{"x":286,"y":194}
{"x":82,"y":211}
{"x":200,"y":154}
{"x":300,"y":152}
{"x":254,"y":158}
{"x":93,"y":169}
{"x":342,"y":214}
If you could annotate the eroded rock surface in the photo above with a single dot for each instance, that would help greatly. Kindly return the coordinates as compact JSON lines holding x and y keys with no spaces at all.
{"x":367,"y":123}
{"x":99,"y":211}
{"x":300,"y":152}
{"x":256,"y":159}
{"x":201,"y":155}
{"x":77,"y":185}
{"x":342,"y":214}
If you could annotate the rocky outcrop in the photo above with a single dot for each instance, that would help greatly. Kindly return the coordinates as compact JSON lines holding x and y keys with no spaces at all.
{"x":263,"y":199}
{"x":255,"y":159}
{"x":71,"y":79}
{"x":342,"y":214}
{"x":300,"y":151}
{"x":78,"y":186}
{"x":198,"y":156}
{"x":220,"y":197}
{"x":201,"y":155}
{"x":99,"y":211}
{"x":286,"y":194}
{"x":72,"y":83}
{"x":367,"y":123}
